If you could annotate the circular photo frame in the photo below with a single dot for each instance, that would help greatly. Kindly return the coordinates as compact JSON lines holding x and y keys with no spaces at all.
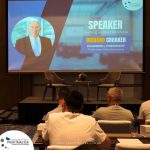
{"x":21,"y":29}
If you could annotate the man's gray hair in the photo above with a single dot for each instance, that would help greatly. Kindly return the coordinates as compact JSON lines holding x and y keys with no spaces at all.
{"x":34,"y":20}
{"x":115,"y":93}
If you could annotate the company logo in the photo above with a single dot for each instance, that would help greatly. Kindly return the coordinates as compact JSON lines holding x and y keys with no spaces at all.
{"x":15,"y":140}
{"x":132,"y":5}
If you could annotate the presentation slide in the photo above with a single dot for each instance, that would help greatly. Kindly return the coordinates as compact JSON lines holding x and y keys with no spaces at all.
{"x":75,"y":35}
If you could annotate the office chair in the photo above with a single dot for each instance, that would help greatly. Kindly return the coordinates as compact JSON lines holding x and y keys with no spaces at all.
{"x":52,"y":81}
{"x":110,"y":80}
{"x":60,"y":147}
{"x":115,"y":126}
{"x":127,"y":146}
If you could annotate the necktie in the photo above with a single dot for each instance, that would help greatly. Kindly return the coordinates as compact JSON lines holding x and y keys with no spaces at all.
{"x":36,"y":47}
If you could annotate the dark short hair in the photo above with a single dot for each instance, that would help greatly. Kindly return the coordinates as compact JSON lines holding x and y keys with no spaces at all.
{"x":63,"y":91}
{"x":74,"y":101}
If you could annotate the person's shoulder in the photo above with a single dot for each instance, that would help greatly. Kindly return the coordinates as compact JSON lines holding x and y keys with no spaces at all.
{"x":56,"y":110}
{"x":126,"y":110}
{"x":87,"y":117}
{"x":89,"y":120}
{"x":56,"y":115}
{"x":146,"y":102}
{"x":22,"y":39}
{"x":102,"y":108}
{"x":44,"y":38}
{"x":122,"y":108}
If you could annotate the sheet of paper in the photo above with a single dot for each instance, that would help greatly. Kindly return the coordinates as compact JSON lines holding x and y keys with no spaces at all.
{"x":130,"y":141}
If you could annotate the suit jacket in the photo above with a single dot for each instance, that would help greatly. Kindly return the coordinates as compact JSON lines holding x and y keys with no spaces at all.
{"x":32,"y":62}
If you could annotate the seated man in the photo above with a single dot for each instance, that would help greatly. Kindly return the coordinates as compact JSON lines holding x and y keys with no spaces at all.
{"x":61,"y":94}
{"x":114,"y":111}
{"x":144,"y":112}
{"x":73,"y":128}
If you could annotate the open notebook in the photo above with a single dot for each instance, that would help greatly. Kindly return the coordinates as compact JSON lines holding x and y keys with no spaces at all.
{"x":129,"y":141}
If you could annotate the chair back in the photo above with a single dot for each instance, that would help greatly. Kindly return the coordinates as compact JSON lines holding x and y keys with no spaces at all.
{"x":147,"y":121}
{"x":52,"y":77}
{"x":60,"y":147}
{"x":127,"y":146}
{"x":112,"y":78}
{"x":115,"y":126}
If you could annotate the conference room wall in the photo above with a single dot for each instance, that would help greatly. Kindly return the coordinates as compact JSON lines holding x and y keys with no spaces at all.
{"x":146,"y":76}
{"x":13,"y":87}
{"x":8,"y":88}
{"x":129,"y":82}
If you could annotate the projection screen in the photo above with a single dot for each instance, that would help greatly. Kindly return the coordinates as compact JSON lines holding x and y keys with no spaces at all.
{"x":75,"y":35}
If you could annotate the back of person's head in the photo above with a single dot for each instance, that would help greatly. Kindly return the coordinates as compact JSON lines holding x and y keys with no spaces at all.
{"x":63,"y":91}
{"x":61,"y":95}
{"x":88,"y":147}
{"x":115,"y":93}
{"x":74,"y":101}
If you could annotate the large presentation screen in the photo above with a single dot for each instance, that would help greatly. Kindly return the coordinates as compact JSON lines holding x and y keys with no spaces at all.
{"x":75,"y":35}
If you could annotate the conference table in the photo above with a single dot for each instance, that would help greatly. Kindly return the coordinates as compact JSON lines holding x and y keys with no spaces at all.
{"x":38,"y":142}
{"x":127,"y":137}
{"x":115,"y":137}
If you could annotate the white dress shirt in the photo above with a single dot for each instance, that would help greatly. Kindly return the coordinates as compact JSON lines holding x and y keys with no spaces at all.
{"x":36,"y":46}
{"x":66,"y":128}
{"x":58,"y":109}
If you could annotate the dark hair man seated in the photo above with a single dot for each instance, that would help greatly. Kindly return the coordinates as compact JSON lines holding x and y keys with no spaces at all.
{"x":70,"y":127}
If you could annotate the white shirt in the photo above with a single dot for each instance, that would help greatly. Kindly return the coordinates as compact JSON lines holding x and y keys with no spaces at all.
{"x":36,"y":52}
{"x":68,"y":128}
{"x":59,"y":108}
{"x":144,"y":112}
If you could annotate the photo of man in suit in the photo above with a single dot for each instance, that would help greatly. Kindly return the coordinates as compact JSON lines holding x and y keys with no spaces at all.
{"x":35,"y":48}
